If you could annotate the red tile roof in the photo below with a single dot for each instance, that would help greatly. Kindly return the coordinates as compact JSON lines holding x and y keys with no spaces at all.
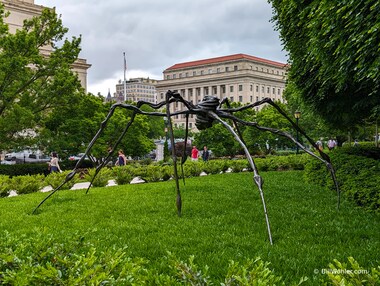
{"x":224,"y":59}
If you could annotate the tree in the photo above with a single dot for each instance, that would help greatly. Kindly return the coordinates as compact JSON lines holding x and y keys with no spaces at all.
{"x":334,"y":56}
{"x":33,"y":84}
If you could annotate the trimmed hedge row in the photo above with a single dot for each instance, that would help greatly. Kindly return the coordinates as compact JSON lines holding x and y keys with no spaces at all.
{"x":358,"y":175}
{"x":149,"y":173}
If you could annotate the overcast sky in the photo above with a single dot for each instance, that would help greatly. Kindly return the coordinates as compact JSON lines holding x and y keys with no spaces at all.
{"x":156,"y":34}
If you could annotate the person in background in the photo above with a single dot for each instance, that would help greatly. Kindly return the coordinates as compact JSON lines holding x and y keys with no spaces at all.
{"x":194,"y":154}
{"x":53,"y":164}
{"x":121,"y":160}
{"x":205,"y":154}
{"x":331,"y":144}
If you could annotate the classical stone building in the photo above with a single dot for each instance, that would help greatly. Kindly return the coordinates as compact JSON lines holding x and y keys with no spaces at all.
{"x":137,"y":89}
{"x":240,"y":77}
{"x":26,"y":9}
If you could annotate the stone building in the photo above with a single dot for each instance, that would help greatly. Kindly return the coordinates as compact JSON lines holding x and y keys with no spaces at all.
{"x":240,"y":77}
{"x":26,"y":9}
{"x":137,"y":89}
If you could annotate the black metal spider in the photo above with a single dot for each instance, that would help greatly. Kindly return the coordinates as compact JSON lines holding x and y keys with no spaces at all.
{"x":207,"y":112}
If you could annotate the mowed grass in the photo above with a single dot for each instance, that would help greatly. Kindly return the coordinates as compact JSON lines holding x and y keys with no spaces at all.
{"x":222,"y":220}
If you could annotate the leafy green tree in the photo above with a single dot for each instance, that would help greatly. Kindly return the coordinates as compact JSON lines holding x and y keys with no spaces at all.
{"x":334,"y":57}
{"x":32,"y":83}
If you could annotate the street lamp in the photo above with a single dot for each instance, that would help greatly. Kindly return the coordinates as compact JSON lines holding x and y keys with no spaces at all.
{"x":297,"y":115}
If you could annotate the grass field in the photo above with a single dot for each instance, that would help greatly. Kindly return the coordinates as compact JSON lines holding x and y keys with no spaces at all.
{"x":222,"y":220}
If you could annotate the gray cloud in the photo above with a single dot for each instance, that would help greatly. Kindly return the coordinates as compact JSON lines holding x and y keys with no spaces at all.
{"x":157,"y":34}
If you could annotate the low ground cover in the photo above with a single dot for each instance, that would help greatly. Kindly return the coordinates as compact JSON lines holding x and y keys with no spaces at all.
{"x":222,"y":220}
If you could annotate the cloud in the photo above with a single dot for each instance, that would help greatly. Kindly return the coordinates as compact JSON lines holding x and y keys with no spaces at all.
{"x":158,"y":34}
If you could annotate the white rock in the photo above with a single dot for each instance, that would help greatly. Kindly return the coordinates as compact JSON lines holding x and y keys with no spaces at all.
{"x":13,"y":193}
{"x":111,"y":183}
{"x":203,"y":174}
{"x":137,"y":180}
{"x":79,"y":186}
{"x":229,"y":170}
{"x":46,"y":189}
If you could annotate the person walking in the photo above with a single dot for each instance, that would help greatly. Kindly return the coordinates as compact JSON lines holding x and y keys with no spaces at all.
{"x":121,"y":159}
{"x":194,"y":154}
{"x":53,"y":164}
{"x":205,"y":154}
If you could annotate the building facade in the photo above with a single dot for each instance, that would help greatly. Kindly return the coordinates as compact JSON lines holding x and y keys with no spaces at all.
{"x":240,"y":78}
{"x":26,"y":9}
{"x":137,"y":89}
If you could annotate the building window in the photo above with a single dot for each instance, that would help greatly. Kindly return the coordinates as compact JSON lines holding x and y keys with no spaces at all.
{"x":198,"y":91}
{"x":174,"y":76}
{"x":262,"y":89}
{"x":194,"y":73}
{"x":180,"y":75}
{"x":210,"y":71}
{"x":257,"y":88}
{"x":168,"y":76}
{"x":214,"y":90}
{"x":251,"y":98}
{"x":274,"y":91}
{"x":240,"y":98}
{"x":268,"y":90}
{"x":201,"y":72}
{"x":182,"y":92}
{"x":257,"y":98}
{"x":231,"y":88}
{"x":227,"y":69}
{"x":190,"y":92}
{"x":251,"y":88}
{"x":218,"y":70}
{"x":240,"y":87}
{"x":278,"y":92}
{"x":205,"y":90}
{"x":223,"y":89}
{"x":232,"y":99}
{"x":235,"y":68}
{"x":190,"y":125}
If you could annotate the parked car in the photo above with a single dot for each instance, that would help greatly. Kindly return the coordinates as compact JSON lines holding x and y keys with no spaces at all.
{"x":24,"y":157}
{"x":77,"y":157}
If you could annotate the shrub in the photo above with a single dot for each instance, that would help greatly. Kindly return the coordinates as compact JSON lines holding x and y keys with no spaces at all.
{"x":358,"y":177}
{"x":27,"y":184}
{"x":5,"y":183}
{"x":24,"y":169}
{"x":55,"y":179}
{"x":101,"y":179}
{"x":123,"y":174}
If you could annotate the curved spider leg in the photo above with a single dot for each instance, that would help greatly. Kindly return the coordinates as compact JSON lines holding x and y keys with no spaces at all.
{"x":289,"y":136}
{"x":323,"y":156}
{"x":257,"y":178}
{"x":98,"y":168}
{"x":174,"y":157}
{"x":90,"y":145}
{"x":71,"y":175}
{"x":227,"y":102}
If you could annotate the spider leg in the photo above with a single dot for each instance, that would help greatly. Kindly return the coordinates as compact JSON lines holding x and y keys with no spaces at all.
{"x":174,"y":157}
{"x":103,"y":125}
{"x":322,"y":156}
{"x":102,"y":164}
{"x":257,"y":178}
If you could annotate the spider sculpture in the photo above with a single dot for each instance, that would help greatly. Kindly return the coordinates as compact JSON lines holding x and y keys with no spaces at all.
{"x":206,"y":112}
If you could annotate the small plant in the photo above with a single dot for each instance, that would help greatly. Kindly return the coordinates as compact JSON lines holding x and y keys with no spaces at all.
{"x":55,"y":179}
{"x":5,"y":183}
{"x":27,"y":184}
{"x":101,"y":179}
{"x":123,"y":174}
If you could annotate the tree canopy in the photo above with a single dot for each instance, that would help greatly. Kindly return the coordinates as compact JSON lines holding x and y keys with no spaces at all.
{"x":32,"y":83}
{"x":334,"y":55}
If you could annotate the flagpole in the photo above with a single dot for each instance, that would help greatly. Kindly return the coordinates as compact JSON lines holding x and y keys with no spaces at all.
{"x":125,"y":81}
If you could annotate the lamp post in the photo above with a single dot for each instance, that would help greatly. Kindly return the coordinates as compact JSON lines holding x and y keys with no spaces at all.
{"x":297,"y":115}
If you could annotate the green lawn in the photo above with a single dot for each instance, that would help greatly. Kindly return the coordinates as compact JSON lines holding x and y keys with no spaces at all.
{"x":222,"y":219}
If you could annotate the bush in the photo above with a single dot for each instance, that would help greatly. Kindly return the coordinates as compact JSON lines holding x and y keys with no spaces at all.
{"x":55,"y":179}
{"x":123,"y":174}
{"x":5,"y":184}
{"x":101,"y":179}
{"x":27,"y":184}
{"x":24,"y":169}
{"x":358,"y":176}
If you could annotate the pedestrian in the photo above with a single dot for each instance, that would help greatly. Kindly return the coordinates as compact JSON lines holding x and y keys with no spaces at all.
{"x":205,"y":154}
{"x":121,"y":159}
{"x":331,"y":144}
{"x":194,"y":153}
{"x":319,"y":144}
{"x":53,"y":164}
